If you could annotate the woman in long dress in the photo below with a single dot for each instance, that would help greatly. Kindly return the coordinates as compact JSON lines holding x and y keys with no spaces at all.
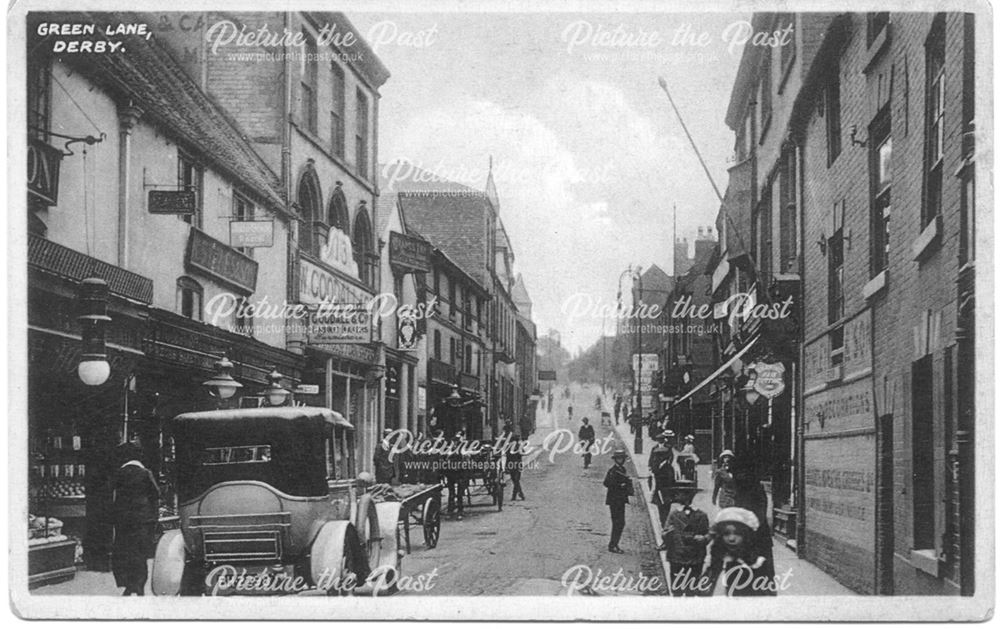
{"x":135,"y":512}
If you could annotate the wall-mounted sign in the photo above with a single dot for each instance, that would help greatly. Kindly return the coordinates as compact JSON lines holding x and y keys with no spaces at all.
{"x":845,"y":407}
{"x":172,"y":202}
{"x":770,"y":381}
{"x":339,"y":253}
{"x":43,"y":171}
{"x":858,"y":345}
{"x":215,"y":258}
{"x":344,"y":323}
{"x":546,"y":375}
{"x":409,"y":253}
{"x":249,"y":234}
{"x":307,"y":389}
{"x":318,"y":285}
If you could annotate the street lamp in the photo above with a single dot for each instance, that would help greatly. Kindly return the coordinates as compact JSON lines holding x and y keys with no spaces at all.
{"x":222,"y":385}
{"x":276,"y":394}
{"x":94,"y":368}
{"x":636,"y":278}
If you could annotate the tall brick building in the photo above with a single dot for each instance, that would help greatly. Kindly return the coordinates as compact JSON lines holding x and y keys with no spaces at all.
{"x":855,"y":176}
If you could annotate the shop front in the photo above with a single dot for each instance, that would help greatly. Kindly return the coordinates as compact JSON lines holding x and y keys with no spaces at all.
{"x":73,"y":427}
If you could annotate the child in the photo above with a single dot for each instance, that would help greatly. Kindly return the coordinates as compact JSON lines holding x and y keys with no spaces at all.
{"x":684,"y":538}
{"x":734,"y":556}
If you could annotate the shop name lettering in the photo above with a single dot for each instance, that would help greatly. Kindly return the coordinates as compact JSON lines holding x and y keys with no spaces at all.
{"x":227,"y":579}
{"x":222,"y":307}
{"x":841,"y":479}
{"x":580,"y":305}
{"x":854,"y":512}
{"x":847,"y":406}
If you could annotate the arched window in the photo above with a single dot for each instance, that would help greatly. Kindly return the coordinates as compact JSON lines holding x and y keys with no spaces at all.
{"x":363,"y":247}
{"x":338,"y":214}
{"x":314,"y":228}
{"x":189,"y":298}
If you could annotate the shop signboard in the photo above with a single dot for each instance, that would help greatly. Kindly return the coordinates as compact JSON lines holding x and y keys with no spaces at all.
{"x":215,"y":258}
{"x":181,"y":202}
{"x":409,"y":253}
{"x":343,"y":323}
{"x":318,"y":285}
{"x":250,"y":234}
{"x":546,"y":375}
{"x":43,"y":171}
{"x":406,"y":333}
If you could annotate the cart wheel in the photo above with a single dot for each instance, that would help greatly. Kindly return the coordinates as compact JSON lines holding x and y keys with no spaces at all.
{"x":431,"y":520}
{"x":367,"y":525}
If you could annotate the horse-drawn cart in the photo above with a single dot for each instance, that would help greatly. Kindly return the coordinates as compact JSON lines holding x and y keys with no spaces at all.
{"x":419,"y":505}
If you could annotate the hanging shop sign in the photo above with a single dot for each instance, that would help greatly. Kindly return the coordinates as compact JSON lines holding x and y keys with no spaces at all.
{"x":546,"y":376}
{"x":409,"y":253}
{"x":183,"y":202}
{"x":406,"y":333}
{"x":215,"y":258}
{"x":345,"y":323}
{"x":251,"y":234}
{"x":770,"y":382}
{"x":43,"y":171}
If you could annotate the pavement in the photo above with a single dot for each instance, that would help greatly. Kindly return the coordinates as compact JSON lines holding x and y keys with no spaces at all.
{"x":804,"y":579}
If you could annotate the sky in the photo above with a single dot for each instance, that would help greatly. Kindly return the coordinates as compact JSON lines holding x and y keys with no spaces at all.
{"x":588,"y":156}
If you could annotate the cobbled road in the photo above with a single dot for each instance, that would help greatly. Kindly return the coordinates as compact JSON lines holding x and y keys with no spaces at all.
{"x":527,"y":548}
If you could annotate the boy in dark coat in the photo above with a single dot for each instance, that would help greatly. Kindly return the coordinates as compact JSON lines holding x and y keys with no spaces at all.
{"x":685,"y":538}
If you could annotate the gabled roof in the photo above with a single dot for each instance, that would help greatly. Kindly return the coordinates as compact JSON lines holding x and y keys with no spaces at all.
{"x":520,"y":292}
{"x":148,"y":76}
{"x":453,"y":223}
{"x":656,"y":286}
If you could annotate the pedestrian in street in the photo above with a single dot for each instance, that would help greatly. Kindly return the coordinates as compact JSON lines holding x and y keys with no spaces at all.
{"x":750,"y":495}
{"x":724,"y":494}
{"x":587,"y":438}
{"x":618,"y":407}
{"x":569,"y":411}
{"x":385,"y":470}
{"x":135,"y":511}
{"x":458,"y":483}
{"x":661,"y":471}
{"x":619,"y":486}
{"x":735,"y":565}
{"x":515,"y":466}
{"x":685,"y":538}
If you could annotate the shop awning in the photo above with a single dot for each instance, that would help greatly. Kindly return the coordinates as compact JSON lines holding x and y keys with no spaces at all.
{"x":716,"y":373}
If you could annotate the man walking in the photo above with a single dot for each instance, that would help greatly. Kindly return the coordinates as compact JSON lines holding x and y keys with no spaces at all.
{"x":514,"y":466}
{"x":619,"y":489}
{"x":587,"y":438}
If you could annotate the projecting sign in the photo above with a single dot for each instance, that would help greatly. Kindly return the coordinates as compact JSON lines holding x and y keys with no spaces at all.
{"x":307,"y":389}
{"x":409,"y":253}
{"x":249,"y":234}
{"x":208,"y":255}
{"x":43,"y":171}
{"x":547,"y":375}
{"x":770,"y":381}
{"x":182,"y":202}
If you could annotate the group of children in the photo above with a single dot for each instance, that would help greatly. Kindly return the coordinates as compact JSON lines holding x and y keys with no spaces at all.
{"x":729,"y":557}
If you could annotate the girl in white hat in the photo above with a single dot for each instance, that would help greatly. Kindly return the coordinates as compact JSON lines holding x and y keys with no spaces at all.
{"x":734,"y":563}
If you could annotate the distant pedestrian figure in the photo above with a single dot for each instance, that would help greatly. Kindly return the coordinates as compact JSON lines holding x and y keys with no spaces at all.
{"x":587,"y":438}
{"x":724,"y":494}
{"x":662,"y":477}
{"x":618,"y":408}
{"x":385,"y":471}
{"x":619,"y":486}
{"x":569,"y":412}
{"x":515,"y":466}
{"x":135,"y":511}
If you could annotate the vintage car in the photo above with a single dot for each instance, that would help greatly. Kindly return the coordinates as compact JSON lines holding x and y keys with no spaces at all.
{"x":268,"y":505}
